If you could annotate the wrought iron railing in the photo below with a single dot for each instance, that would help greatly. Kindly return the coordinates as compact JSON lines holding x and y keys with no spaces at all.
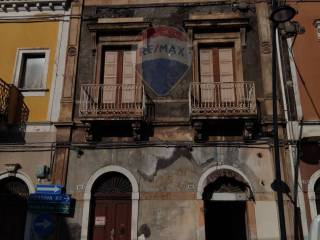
{"x":112,"y":101}
{"x":4,"y":99}
{"x":13,"y":110}
{"x":222,"y":98}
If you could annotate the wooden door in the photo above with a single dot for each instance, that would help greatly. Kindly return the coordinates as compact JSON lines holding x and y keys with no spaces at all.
{"x":226,"y":75}
{"x":128,"y":76}
{"x":110,"y":77}
{"x":119,"y":77}
{"x":208,"y":93}
{"x":217,"y":75}
{"x":112,"y":219}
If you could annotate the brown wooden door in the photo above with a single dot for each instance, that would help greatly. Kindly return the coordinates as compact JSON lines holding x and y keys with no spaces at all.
{"x":112,"y":219}
{"x":217,"y":75}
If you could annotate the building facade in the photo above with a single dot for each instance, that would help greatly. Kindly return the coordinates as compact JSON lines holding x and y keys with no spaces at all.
{"x":303,"y":61}
{"x":156,"y":118}
{"x":34,"y":36}
{"x":190,"y":161}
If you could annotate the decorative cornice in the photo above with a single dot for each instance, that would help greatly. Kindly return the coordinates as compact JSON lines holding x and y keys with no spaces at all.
{"x":242,"y":22}
{"x":123,"y":26}
{"x":30,"y":5}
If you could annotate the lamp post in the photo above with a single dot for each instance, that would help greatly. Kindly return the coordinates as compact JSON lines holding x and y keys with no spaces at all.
{"x":280,"y":14}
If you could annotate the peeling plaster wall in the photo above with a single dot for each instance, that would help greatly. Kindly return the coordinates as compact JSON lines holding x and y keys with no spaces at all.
{"x":168,"y":177}
{"x":168,"y":180}
{"x":267,"y":227}
{"x":169,"y":219}
{"x":28,"y":161}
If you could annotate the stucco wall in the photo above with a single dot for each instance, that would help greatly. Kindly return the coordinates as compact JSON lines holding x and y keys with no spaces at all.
{"x":37,"y":35}
{"x":168,"y":179}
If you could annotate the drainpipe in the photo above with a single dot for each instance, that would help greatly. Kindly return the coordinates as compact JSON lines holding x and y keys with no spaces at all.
{"x":295,"y":165}
{"x":288,"y":130}
{"x":278,"y":182}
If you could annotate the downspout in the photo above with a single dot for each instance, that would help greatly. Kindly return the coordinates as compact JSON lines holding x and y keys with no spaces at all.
{"x":293,"y":150}
{"x":277,"y":183}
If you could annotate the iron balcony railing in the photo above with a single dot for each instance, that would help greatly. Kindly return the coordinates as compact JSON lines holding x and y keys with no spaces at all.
{"x":112,"y":101}
{"x":222,"y":99}
{"x":4,"y":98}
{"x":13,"y":110}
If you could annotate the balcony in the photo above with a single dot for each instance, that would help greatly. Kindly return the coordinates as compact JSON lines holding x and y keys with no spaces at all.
{"x":14,"y":112}
{"x":112,"y":102}
{"x":222,"y":99}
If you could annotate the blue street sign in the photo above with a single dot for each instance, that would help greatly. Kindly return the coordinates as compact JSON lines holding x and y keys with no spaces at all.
{"x":43,"y":225}
{"x":50,"y":208}
{"x":47,"y":198}
{"x":49,"y":189}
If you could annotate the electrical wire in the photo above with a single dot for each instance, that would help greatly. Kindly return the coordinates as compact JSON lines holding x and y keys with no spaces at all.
{"x":302,"y":79}
{"x":296,"y":185}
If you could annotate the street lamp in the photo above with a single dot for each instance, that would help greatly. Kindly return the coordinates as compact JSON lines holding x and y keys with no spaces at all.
{"x":280,"y":14}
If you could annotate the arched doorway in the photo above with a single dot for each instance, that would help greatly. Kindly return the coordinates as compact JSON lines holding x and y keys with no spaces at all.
{"x":317,"y":194}
{"x":13,"y":208}
{"x":111,"y":207}
{"x":225,"y":196}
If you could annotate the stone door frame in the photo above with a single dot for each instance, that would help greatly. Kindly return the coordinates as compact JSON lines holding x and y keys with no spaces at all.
{"x":87,"y":199}
{"x":250,"y":204}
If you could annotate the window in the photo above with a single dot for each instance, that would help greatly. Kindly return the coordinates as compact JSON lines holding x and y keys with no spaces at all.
{"x":317,"y":26}
{"x":217,"y":73}
{"x":31,"y":71}
{"x":119,"y":75}
{"x":31,"y":74}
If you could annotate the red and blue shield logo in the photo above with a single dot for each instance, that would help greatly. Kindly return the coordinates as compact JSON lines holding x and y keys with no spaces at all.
{"x":165,"y":55}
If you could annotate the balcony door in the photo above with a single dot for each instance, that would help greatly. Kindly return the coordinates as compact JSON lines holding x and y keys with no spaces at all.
{"x":119,"y":77}
{"x":217,"y":75}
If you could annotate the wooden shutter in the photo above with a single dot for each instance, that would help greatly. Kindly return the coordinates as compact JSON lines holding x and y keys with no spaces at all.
{"x":128,"y":76}
{"x":226,"y":75}
{"x":110,"y":77}
{"x":206,"y":75}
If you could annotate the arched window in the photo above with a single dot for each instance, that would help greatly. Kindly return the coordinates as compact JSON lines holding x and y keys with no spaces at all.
{"x":225,"y":184}
{"x":112,"y":183}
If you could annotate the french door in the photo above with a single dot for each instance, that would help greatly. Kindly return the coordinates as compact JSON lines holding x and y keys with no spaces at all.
{"x":217,"y":75}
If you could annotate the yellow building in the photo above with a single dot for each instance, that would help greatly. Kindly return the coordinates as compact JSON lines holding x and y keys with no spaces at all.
{"x":33,"y":47}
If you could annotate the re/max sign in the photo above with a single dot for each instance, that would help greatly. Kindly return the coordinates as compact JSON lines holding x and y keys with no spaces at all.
{"x":164,"y":48}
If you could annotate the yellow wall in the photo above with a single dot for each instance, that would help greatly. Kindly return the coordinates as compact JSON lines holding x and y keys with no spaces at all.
{"x":28,"y":35}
